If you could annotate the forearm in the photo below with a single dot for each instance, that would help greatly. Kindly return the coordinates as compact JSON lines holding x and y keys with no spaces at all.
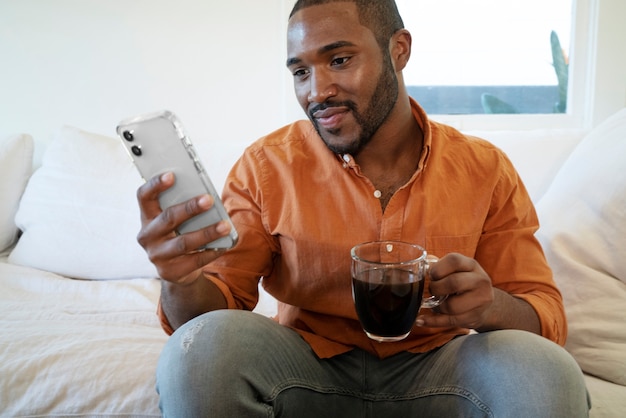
{"x":509,"y":312}
{"x":182,"y":302}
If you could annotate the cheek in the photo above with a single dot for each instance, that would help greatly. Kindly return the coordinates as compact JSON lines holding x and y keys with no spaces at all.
{"x":302,"y":95}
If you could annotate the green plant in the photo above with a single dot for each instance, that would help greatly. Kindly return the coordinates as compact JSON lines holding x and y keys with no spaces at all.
{"x":561,"y":68}
{"x":492,"y":104}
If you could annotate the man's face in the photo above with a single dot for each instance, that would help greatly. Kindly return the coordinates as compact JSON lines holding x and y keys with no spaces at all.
{"x":342,"y":79}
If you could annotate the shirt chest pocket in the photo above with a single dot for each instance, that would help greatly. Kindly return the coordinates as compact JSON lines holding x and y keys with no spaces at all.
{"x":463,"y":244}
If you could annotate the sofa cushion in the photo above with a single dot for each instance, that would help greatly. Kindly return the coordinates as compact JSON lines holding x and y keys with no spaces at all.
{"x":16,"y":162}
{"x":79,"y":213}
{"x":583,"y":231}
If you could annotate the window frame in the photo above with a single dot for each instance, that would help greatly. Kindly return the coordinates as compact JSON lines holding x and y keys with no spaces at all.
{"x":580,"y":88}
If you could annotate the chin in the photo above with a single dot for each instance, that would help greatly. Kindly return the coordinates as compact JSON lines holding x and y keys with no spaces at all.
{"x":336,"y":142}
{"x":340,"y":147}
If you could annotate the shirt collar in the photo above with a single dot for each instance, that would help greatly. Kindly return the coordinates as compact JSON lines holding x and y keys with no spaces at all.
{"x":422,"y":120}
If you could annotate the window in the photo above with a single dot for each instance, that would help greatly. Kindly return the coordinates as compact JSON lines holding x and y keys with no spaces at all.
{"x":590,"y":35}
{"x":474,"y":58}
{"x":489,"y":56}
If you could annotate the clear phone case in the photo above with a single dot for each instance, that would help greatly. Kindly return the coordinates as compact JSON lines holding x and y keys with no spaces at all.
{"x":157,"y":143}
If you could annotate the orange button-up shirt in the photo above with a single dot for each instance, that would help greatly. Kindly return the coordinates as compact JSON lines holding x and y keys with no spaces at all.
{"x":299,"y":208}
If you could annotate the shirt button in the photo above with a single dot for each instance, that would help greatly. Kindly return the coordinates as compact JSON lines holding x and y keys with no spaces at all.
{"x":377,"y":194}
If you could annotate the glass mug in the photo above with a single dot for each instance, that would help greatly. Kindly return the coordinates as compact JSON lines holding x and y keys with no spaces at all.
{"x":388,"y":286}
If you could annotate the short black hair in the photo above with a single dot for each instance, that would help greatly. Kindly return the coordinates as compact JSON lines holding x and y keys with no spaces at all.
{"x":380,"y":16}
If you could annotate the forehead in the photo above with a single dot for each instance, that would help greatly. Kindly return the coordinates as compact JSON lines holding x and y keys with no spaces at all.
{"x":315,"y":27}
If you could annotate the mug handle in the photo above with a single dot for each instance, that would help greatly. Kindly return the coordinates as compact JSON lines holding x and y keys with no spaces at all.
{"x":432,"y":301}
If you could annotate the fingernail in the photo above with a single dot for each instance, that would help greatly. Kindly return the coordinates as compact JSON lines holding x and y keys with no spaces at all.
{"x":222,"y":227}
{"x":419,"y":322}
{"x":205,"y":201}
{"x":167,"y":177}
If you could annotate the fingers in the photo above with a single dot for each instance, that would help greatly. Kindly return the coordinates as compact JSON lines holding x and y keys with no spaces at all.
{"x":162,"y":223}
{"x":446,"y":275}
{"x":171,"y":218}
{"x":148,"y":195}
{"x":176,"y":257}
{"x":469,"y":289}
{"x":186,"y":268}
{"x":471,"y":319}
{"x":180,"y":245}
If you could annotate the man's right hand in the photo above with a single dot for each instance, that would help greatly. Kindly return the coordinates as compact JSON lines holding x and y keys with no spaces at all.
{"x":175,"y":256}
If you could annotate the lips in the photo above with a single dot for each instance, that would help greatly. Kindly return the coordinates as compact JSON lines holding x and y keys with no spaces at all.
{"x":330,"y":117}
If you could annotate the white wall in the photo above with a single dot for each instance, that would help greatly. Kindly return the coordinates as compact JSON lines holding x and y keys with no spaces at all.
{"x":218,"y":64}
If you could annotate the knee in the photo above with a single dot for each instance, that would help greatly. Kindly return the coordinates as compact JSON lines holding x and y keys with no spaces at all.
{"x":527,"y":369}
{"x":230,"y":355}
{"x":532,"y":353}
{"x":205,"y":344}
{"x":522,"y":354}
{"x":219,"y":333}
{"x":205,"y":352}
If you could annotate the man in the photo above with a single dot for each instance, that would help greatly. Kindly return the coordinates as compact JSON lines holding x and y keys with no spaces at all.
{"x":369,"y":165}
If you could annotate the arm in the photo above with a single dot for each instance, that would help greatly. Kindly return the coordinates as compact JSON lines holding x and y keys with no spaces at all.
{"x":506,"y":283}
{"x":185,"y":293}
{"x":510,"y":312}
{"x":182,"y":302}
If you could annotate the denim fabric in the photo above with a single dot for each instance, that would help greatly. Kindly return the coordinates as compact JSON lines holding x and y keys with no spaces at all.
{"x":240,"y":364}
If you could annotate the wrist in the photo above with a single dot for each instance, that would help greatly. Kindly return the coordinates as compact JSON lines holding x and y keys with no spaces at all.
{"x":510,"y":312}
{"x":185,"y":281}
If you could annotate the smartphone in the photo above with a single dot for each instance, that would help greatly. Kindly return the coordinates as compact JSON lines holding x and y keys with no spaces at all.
{"x":157,"y":143}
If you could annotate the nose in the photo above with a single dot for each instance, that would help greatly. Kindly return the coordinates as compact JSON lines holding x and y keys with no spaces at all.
{"x":321,"y":87}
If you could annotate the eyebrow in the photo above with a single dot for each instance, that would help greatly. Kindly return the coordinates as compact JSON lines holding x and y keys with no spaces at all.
{"x":322,"y":50}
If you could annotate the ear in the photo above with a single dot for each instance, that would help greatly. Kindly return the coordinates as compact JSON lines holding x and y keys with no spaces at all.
{"x":400,"y":49}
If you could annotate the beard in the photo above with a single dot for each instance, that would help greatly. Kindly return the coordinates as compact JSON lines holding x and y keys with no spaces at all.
{"x":379,"y":107}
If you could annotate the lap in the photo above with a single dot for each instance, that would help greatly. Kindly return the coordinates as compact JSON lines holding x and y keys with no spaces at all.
{"x":253,"y":366}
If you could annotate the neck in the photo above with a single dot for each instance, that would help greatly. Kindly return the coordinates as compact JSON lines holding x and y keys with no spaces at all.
{"x":391,"y":158}
{"x":398,"y":142}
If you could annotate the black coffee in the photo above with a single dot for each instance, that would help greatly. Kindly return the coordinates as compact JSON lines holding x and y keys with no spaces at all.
{"x":387,"y":300}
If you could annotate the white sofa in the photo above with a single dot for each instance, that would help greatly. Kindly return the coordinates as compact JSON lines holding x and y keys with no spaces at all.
{"x":78,"y":295}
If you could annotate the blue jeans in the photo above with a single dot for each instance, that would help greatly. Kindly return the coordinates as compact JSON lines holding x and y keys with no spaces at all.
{"x":240,"y":364}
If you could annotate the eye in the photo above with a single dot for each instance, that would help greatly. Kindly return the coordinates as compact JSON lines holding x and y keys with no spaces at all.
{"x":300,"y":72}
{"x":339,"y":61}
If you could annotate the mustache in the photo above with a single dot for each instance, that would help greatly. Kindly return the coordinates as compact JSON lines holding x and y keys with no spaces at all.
{"x":323,"y":106}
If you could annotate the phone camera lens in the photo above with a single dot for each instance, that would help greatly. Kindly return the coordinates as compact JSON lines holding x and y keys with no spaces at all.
{"x":136,"y":149}
{"x":128,"y":136}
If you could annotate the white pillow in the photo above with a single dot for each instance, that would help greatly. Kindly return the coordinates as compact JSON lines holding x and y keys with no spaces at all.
{"x":583,"y":231}
{"x":79,"y":213}
{"x":16,"y":164}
